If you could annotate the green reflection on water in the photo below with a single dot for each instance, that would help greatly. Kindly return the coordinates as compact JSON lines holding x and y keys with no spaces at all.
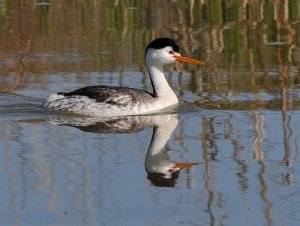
{"x":234,"y":38}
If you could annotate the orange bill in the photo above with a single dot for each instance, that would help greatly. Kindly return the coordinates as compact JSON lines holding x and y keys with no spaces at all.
{"x":183,"y":165}
{"x":188,"y":60}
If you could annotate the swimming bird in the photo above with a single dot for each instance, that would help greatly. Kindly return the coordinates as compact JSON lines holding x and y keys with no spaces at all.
{"x":108,"y":101}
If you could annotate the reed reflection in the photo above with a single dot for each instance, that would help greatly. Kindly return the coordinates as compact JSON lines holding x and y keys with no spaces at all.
{"x":161,"y":170}
{"x":234,"y":38}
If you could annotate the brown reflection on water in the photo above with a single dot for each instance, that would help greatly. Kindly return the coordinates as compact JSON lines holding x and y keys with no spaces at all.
{"x":232,"y":37}
{"x":264,"y":190}
{"x":291,"y":148}
{"x":260,"y":135}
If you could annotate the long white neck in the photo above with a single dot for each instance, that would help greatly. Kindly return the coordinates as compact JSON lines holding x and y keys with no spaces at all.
{"x":161,"y":87}
{"x":156,"y":158}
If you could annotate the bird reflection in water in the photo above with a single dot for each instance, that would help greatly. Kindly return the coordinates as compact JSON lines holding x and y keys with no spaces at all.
{"x":161,"y":171}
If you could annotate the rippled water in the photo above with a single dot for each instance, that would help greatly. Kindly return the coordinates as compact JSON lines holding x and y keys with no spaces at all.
{"x":235,"y":135}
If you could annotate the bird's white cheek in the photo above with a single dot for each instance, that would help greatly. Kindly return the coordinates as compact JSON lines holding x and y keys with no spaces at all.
{"x":166,"y":58}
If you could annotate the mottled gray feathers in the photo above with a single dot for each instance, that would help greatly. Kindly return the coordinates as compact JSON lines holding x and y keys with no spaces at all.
{"x":111,"y":94}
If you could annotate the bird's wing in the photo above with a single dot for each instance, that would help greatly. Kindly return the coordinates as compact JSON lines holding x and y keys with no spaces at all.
{"x":111,"y":95}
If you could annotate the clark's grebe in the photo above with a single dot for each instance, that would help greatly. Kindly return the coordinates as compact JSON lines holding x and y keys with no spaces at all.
{"x":107,"y":101}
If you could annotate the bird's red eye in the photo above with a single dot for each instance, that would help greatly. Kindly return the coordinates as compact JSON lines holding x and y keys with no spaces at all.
{"x":171,"y":52}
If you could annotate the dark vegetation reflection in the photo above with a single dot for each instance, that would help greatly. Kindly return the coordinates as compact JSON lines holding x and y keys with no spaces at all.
{"x":251,"y":48}
{"x":161,"y":170}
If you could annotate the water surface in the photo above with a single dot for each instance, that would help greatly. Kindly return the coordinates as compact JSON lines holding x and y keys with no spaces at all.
{"x":236,"y":129}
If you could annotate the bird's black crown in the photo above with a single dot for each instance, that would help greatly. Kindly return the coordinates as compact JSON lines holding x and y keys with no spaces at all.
{"x":160,"y":43}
